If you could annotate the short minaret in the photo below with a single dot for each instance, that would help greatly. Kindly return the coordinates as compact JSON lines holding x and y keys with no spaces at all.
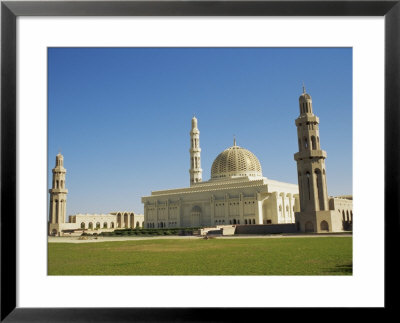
{"x":195,"y":165}
{"x":58,"y":193}
{"x":310,"y":167}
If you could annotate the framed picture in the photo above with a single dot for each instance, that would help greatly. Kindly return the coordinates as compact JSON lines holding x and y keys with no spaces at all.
{"x":194,"y":24}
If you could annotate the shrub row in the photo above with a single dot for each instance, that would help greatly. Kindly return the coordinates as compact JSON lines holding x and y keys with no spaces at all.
{"x":149,"y":232}
{"x":144,"y":232}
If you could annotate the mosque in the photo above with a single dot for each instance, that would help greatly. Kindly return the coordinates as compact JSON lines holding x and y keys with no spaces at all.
{"x":238,"y":194}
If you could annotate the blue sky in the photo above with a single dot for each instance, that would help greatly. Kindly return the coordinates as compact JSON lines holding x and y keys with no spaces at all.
{"x":121,"y":116}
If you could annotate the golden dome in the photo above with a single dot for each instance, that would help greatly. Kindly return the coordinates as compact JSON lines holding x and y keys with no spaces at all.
{"x":236,"y":162}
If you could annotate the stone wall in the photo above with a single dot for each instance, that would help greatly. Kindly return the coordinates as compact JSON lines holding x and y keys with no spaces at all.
{"x":266,"y":228}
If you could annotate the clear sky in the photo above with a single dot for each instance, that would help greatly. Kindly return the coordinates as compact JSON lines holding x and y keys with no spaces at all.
{"x":122,"y":116}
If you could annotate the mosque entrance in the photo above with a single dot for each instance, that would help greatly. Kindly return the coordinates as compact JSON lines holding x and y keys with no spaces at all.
{"x":196,"y":215}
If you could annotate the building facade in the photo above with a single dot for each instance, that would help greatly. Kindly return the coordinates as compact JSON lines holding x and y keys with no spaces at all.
{"x":236,"y":194}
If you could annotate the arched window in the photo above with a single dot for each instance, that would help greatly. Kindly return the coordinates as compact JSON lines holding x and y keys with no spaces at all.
{"x":57,"y":212}
{"x":105,"y":225}
{"x":57,"y":184}
{"x":308,"y":185}
{"x":324,"y":226}
{"x":313,"y":142}
{"x":137,"y":224}
{"x":83,"y":225}
{"x":98,"y":225}
{"x":90,"y":225}
{"x":254,"y":221}
{"x":318,"y":181}
{"x":305,"y":143}
{"x":112,"y":225}
{"x":348,"y":218}
{"x":234,"y":221}
{"x":343,"y":216}
{"x":245,"y":221}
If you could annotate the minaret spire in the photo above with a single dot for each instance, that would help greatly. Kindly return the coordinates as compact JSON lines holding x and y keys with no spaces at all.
{"x":195,"y":161}
{"x":234,"y":140}
{"x":304,"y":88}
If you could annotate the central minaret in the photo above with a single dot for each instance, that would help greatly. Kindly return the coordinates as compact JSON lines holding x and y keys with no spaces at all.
{"x":195,"y":166}
{"x":58,"y":193}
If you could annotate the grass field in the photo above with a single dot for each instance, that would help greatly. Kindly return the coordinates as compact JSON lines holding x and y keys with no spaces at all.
{"x":255,"y":256}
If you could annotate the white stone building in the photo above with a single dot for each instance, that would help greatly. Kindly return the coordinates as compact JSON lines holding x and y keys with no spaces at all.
{"x":237,"y":193}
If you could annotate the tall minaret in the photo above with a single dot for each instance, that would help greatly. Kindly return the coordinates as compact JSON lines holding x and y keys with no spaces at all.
{"x":195,"y":166}
{"x":58,"y":193}
{"x":310,"y":159}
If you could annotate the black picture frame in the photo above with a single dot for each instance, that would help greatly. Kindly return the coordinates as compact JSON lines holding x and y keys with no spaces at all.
{"x":10,"y":10}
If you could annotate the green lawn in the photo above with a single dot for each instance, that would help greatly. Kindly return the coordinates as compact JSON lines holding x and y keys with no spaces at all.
{"x":281,"y":256}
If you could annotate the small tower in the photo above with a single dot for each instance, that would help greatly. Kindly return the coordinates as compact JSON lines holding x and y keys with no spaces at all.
{"x":314,"y":206}
{"x":58,"y":196}
{"x":195,"y":165}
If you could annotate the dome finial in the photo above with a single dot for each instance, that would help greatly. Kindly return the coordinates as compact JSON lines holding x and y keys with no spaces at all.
{"x":304,"y":88}
{"x":234,"y":140}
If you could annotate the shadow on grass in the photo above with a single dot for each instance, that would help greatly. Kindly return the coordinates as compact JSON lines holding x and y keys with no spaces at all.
{"x":341,"y":270}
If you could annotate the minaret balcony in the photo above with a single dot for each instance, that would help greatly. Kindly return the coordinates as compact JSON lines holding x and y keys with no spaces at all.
{"x":307,"y":118}
{"x":58,"y":190}
{"x":307,"y":154}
